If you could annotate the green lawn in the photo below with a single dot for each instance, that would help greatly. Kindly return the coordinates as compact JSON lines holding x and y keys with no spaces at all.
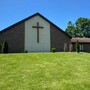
{"x":45,"y":71}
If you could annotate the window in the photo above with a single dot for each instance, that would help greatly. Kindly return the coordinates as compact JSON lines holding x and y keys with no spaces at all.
{"x":81,"y":47}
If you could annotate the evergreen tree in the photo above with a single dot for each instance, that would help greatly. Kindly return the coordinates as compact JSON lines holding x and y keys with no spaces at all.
{"x":77,"y":47}
{"x":5,"y":47}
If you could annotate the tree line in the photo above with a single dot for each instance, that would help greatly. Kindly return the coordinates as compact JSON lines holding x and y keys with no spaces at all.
{"x":81,"y":28}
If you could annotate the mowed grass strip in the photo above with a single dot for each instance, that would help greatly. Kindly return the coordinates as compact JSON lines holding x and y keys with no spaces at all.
{"x":45,"y":71}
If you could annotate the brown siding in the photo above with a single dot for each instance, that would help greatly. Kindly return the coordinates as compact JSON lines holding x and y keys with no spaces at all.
{"x":74,"y":47}
{"x":58,"y":39}
{"x":87,"y":47}
{"x":15,"y":38}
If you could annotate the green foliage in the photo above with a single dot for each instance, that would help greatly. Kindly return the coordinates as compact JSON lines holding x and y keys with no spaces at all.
{"x":70,"y":29}
{"x":77,"y":47}
{"x":53,"y":50}
{"x":26,"y":51}
{"x":81,"y":28}
{"x":45,"y":71}
{"x":83,"y":25}
{"x":5,"y":47}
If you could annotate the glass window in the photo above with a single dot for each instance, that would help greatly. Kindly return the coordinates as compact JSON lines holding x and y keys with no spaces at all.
{"x":81,"y":47}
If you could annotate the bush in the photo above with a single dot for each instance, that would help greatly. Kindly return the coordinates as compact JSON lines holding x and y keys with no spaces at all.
{"x":77,"y":47}
{"x":26,"y":51}
{"x":5,"y":47}
{"x":53,"y":50}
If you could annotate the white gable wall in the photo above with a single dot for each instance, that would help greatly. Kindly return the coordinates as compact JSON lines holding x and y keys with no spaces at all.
{"x":31,"y":35}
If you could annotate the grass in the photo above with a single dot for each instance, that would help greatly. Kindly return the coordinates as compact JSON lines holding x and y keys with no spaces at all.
{"x":45,"y":71}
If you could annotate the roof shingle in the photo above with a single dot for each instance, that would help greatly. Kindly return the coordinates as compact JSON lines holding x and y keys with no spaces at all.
{"x":80,"y":40}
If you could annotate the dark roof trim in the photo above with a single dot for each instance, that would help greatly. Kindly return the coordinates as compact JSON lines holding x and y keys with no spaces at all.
{"x":30,"y":18}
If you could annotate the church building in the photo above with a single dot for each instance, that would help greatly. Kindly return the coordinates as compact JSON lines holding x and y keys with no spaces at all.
{"x":35,"y":34}
{"x":84,"y":44}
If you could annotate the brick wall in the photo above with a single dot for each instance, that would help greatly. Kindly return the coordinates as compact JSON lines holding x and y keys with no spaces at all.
{"x":14,"y":37}
{"x":86,"y":47}
{"x":59,"y":38}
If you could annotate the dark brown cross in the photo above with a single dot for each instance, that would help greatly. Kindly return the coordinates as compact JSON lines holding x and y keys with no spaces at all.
{"x":38,"y":27}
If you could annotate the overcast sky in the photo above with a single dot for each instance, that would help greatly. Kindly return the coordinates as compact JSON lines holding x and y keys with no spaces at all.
{"x":57,"y":11}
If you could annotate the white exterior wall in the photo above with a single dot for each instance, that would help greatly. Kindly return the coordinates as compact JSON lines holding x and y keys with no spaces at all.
{"x":31,"y":35}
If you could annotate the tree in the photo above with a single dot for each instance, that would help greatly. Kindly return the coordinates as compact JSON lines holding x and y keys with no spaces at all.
{"x":81,"y":28}
{"x":83,"y":25}
{"x":77,"y":46}
{"x":5,"y":47}
{"x":70,"y":29}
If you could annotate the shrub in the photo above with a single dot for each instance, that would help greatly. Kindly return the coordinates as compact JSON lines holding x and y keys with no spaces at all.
{"x":5,"y":47}
{"x":53,"y":50}
{"x":77,"y":47}
{"x":26,"y":51}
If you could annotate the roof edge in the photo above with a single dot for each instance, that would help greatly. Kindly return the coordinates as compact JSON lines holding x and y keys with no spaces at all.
{"x":23,"y":20}
{"x":11,"y":26}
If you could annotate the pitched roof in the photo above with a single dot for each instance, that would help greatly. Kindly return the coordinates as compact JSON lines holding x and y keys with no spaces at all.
{"x":30,"y":18}
{"x":80,"y":40}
